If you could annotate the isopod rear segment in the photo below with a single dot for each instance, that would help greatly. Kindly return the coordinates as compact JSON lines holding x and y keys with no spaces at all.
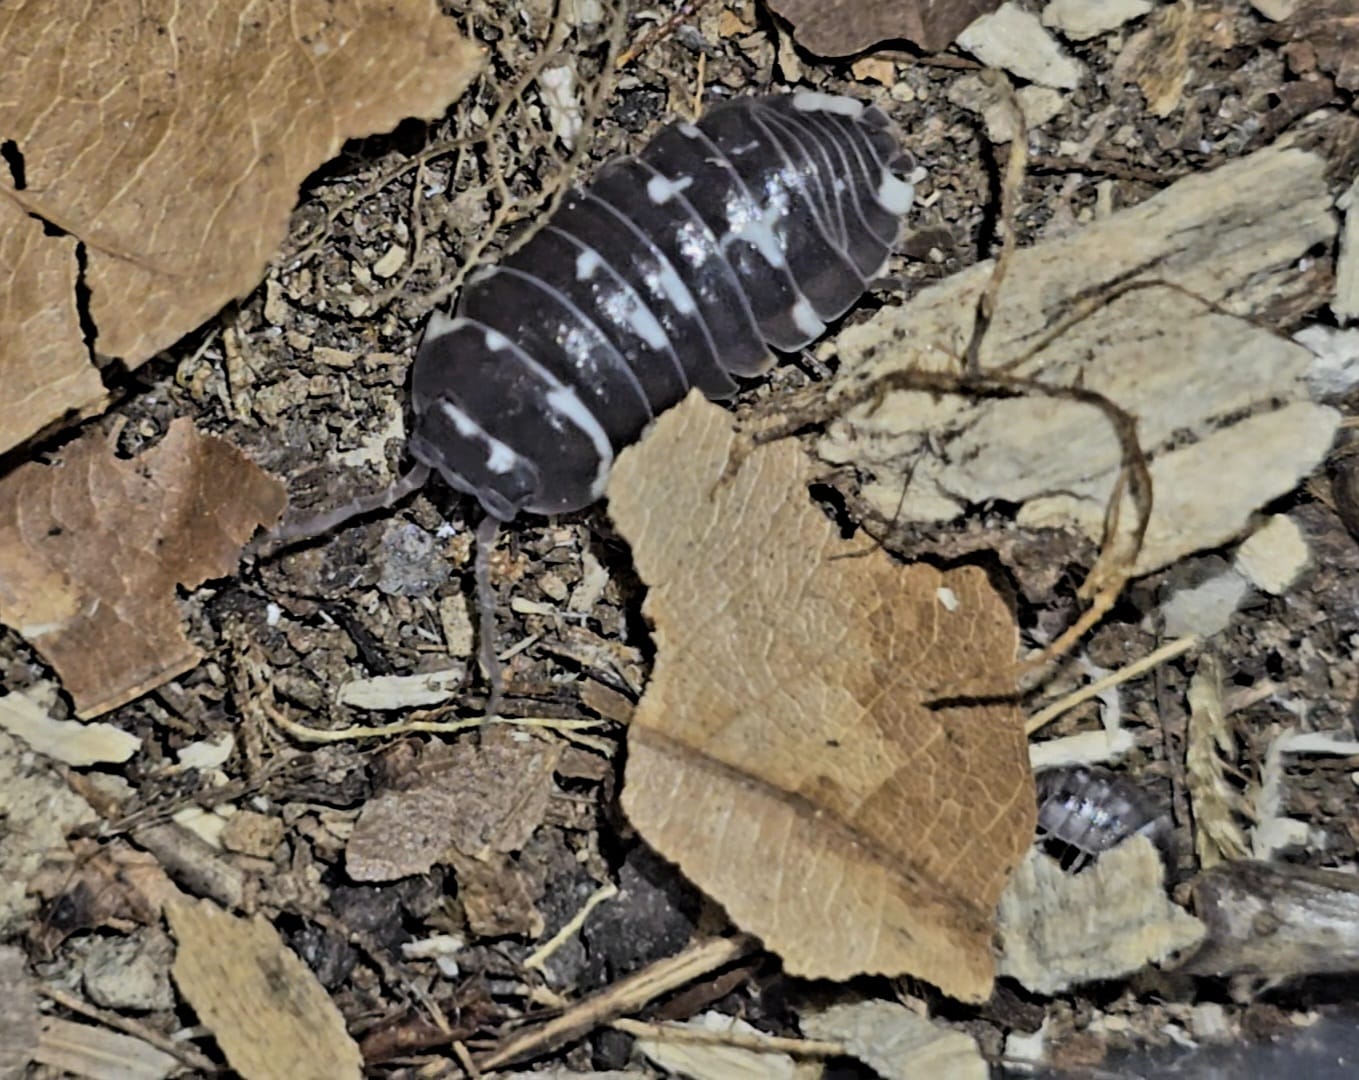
{"x":681,"y":267}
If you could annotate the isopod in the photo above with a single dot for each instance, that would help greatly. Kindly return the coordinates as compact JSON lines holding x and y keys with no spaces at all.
{"x":1089,"y":811}
{"x":682,"y":266}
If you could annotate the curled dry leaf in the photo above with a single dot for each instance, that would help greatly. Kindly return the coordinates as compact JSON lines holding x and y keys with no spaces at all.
{"x":93,"y":547}
{"x":174,"y":162}
{"x":841,"y":27}
{"x":826,"y":746}
{"x":266,"y":1009}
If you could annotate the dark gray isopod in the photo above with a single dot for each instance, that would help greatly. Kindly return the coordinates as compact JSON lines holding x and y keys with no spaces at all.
{"x":679,"y":267}
{"x":1093,"y":810}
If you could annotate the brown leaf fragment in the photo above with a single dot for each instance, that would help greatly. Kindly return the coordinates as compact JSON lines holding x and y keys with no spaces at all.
{"x":266,"y":1009}
{"x":175,"y":160}
{"x":93,"y":548}
{"x":18,"y":1013}
{"x":44,"y":365}
{"x":498,"y":896}
{"x":841,"y":27}
{"x":1331,"y":29}
{"x":825,"y":747}
{"x":472,"y":799}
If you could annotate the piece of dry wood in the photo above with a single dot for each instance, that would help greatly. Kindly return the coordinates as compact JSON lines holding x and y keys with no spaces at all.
{"x":174,"y":162}
{"x":1222,"y":405}
{"x":264,"y":1006}
{"x":1276,"y":921}
{"x":94,"y":547}
{"x":829,"y":745}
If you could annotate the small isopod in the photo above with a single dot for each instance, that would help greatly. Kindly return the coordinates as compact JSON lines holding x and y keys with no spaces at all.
{"x":1087,"y":811}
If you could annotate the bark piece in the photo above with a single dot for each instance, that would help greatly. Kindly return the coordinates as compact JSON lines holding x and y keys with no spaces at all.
{"x":1059,"y":929}
{"x":897,"y":1043}
{"x":826,"y":746}
{"x":1222,"y":405}
{"x":93,"y":548}
{"x":1276,"y":921}
{"x":478,"y":800}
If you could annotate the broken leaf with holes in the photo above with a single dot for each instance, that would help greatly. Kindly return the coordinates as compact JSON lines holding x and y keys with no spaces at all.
{"x":93,"y":547}
{"x":841,"y":27}
{"x":828,"y":746}
{"x":168,"y":164}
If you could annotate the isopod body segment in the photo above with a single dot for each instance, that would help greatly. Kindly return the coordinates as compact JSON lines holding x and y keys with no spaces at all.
{"x":679,"y":267}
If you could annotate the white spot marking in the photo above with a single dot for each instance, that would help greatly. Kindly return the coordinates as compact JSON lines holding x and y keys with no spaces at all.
{"x":812,"y":101}
{"x":496,"y":341}
{"x":689,"y":131}
{"x":499,"y":457}
{"x":661,"y":189}
{"x":895,"y":195}
{"x":563,"y":399}
{"x":948,"y":599}
{"x":440,"y":324}
{"x":587,"y":262}
{"x":804,"y":318}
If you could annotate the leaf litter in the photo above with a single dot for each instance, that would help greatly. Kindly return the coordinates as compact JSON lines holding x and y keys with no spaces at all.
{"x":309,"y":370}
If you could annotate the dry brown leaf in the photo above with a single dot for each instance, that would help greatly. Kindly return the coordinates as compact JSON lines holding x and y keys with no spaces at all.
{"x":99,"y":883}
{"x":1157,"y":57}
{"x":787,"y":754}
{"x":266,"y":1009}
{"x":93,"y":548}
{"x":474,"y":799}
{"x":175,"y":161}
{"x":44,"y":365}
{"x":841,"y":27}
{"x":498,"y":896}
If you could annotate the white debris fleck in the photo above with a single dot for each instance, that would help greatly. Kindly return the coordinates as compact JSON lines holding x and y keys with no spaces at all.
{"x":402,"y":691}
{"x":1335,"y":365}
{"x":1275,"y":555}
{"x":1014,"y":39}
{"x":1080,"y":20}
{"x":392,"y":260}
{"x":1205,"y":609}
{"x":558,"y":86}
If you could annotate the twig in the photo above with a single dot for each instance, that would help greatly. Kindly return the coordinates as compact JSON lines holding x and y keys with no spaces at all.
{"x":622,"y":997}
{"x":540,"y":956}
{"x":181,"y":1052}
{"x":1165,"y":653}
{"x":759,"y":1043}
